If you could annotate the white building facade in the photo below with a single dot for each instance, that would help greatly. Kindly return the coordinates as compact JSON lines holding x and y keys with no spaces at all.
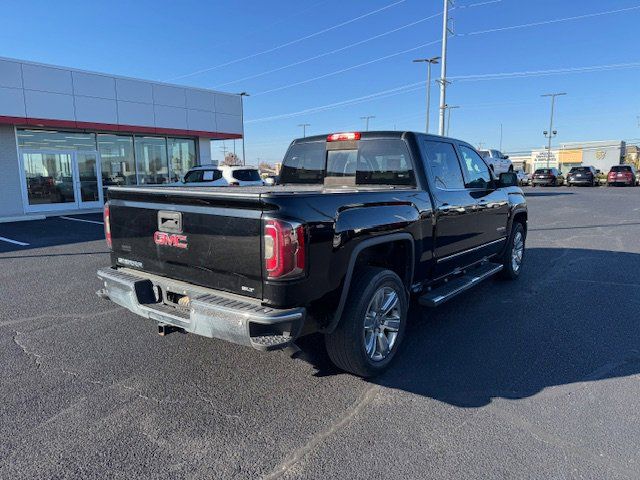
{"x":66,"y":135}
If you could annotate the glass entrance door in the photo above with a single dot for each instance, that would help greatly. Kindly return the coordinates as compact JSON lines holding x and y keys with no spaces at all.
{"x":60,"y":180}
{"x":88,"y":190}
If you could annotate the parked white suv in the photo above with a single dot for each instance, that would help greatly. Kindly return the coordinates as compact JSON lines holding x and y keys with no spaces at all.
{"x":498,"y":161}
{"x":223,"y":175}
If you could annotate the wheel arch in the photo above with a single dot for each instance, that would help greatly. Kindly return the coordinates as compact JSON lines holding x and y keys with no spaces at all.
{"x":360,"y":251}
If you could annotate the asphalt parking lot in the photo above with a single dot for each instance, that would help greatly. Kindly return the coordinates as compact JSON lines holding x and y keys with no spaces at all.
{"x":538,"y":378}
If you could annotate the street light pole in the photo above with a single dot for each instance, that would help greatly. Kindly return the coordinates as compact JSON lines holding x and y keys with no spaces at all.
{"x":551,"y":132}
{"x":242,"y":95}
{"x":366,"y":120}
{"x":429,"y":62}
{"x":304,"y":128}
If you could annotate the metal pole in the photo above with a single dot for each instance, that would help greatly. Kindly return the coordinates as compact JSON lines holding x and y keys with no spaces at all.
{"x":449,"y":108}
{"x":366,"y":119}
{"x":242,"y":95}
{"x":428,"y":94}
{"x":501,"y":137}
{"x":553,"y":102}
{"x":443,"y":65}
{"x":551,"y":134}
{"x":304,"y":128}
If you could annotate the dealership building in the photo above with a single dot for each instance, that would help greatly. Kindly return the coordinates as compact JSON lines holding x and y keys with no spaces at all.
{"x":67,"y":134}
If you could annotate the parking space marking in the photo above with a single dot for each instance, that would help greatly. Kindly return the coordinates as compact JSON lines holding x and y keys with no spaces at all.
{"x":82,"y":220}
{"x":16,"y":242}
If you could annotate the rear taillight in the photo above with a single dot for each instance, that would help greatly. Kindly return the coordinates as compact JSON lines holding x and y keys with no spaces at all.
{"x":284,"y":249}
{"x":107,"y":224}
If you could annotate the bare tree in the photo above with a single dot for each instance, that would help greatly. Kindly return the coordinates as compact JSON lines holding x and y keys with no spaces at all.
{"x":231,"y":159}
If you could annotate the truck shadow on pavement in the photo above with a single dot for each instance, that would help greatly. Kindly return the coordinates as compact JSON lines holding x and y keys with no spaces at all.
{"x":571,"y":317}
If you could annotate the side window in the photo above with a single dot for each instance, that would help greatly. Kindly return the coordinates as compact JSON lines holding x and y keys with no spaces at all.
{"x":193,"y":176}
{"x":443,"y":165}
{"x":476,"y":171}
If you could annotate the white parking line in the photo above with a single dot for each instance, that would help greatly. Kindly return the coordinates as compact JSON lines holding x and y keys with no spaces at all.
{"x":16,"y":242}
{"x":82,"y":220}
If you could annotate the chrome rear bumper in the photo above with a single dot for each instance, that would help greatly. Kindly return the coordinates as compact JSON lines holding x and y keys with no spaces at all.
{"x":210,"y":313}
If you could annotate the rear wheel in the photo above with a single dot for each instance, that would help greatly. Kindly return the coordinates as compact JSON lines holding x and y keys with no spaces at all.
{"x":372,"y":325}
{"x":514,"y":254}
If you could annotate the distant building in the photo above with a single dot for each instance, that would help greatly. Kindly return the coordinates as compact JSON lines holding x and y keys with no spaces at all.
{"x":601,"y":155}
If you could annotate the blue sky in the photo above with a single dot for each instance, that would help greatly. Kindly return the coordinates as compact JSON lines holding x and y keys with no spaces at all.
{"x":171,"y":41}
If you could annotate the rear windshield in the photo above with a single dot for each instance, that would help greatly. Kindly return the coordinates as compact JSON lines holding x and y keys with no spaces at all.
{"x":248,"y":175}
{"x":621,"y":168}
{"x":580,"y":169}
{"x":375,"y":162}
{"x":544,"y":170}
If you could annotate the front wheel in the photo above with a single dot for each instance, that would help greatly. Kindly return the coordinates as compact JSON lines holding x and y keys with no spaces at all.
{"x":372,"y":325}
{"x":514,"y":254}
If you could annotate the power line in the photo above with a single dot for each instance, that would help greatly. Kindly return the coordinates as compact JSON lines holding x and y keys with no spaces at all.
{"x":336,"y":72}
{"x":410,"y":87}
{"x":332,"y":52}
{"x":547,"y":22}
{"x":533,"y":73}
{"x":292,"y":42}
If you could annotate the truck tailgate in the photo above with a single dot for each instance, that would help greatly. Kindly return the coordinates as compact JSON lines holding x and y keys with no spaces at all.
{"x":205,"y":239}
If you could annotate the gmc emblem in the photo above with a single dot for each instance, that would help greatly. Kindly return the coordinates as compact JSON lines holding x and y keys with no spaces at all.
{"x":170,"y":240}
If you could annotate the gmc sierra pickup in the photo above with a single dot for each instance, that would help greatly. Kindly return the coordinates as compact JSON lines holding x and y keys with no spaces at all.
{"x":358,"y":223}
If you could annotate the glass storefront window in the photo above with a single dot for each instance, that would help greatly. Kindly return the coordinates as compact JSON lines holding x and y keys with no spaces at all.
{"x":117,"y":160}
{"x":151,"y":160}
{"x":182,"y":155}
{"x":53,"y":140}
{"x":49,"y":178}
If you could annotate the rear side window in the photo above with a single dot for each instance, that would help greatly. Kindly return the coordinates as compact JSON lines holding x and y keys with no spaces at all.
{"x":443,"y":164}
{"x":304,"y":163}
{"x":477,"y":172}
{"x":197,"y":176}
{"x":248,"y":175}
{"x":375,"y":162}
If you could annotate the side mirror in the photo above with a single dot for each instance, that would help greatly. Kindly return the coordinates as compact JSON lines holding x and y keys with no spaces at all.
{"x":505,"y":157}
{"x":508,"y":179}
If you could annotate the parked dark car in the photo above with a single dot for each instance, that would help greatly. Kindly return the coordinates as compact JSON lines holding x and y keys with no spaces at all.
{"x":582,"y":176}
{"x":623,"y":175}
{"x":358,"y":223}
{"x":548,"y":177}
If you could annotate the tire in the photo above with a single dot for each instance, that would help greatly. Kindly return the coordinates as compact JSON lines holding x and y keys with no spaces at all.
{"x":511,"y":268}
{"x":346,"y":345}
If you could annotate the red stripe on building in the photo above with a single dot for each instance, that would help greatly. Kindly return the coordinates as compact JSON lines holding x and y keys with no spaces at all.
{"x":108,"y":127}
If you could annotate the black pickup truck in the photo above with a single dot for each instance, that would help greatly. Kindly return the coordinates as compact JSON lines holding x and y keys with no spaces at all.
{"x":358,"y":223}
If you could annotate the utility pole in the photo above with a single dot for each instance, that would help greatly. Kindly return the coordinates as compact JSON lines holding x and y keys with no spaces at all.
{"x":443,"y":65}
{"x":449,"y":108}
{"x":304,"y":128}
{"x":429,"y":62}
{"x":551,"y":133}
{"x":366,"y":120}
{"x":500,"y":137}
{"x":242,"y":95}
